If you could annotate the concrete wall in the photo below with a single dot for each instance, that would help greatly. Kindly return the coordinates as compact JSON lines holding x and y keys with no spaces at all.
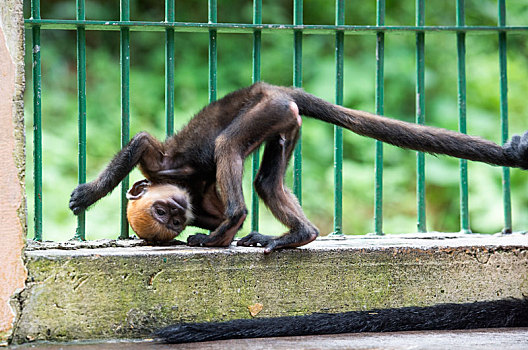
{"x":12,"y":161}
{"x":127,"y":292}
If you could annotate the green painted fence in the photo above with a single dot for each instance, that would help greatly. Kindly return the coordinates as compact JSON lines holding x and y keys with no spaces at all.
{"x":257,"y":28}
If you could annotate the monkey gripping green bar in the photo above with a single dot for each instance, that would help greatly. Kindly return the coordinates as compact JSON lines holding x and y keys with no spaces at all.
{"x":124,"y":42}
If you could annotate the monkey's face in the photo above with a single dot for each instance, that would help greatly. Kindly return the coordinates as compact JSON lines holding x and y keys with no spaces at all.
{"x":159,"y":212}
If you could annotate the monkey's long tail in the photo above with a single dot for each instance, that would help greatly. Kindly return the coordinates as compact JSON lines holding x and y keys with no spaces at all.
{"x":413,"y":136}
{"x":488,"y":314}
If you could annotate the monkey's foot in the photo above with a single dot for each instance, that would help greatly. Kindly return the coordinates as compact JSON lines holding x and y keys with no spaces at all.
{"x":254,"y":239}
{"x":203,"y":240}
{"x":293,"y":239}
{"x":169,"y":243}
{"x":197,"y":240}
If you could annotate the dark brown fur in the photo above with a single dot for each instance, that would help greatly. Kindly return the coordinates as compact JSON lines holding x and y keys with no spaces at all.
{"x":206,"y":159}
{"x":483,"y":314}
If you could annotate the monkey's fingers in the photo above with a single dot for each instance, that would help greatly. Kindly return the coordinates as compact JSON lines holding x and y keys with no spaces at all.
{"x":78,"y":199}
{"x":82,"y":197}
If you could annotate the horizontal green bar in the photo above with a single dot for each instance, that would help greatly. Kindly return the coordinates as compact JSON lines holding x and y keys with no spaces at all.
{"x":249,"y":28}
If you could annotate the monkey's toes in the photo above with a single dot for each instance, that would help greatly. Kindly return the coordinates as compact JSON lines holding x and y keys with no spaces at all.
{"x":255,"y":239}
{"x":197,"y":240}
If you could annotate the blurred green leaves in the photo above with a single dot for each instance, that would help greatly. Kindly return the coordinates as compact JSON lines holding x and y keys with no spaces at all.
{"x":59,"y":107}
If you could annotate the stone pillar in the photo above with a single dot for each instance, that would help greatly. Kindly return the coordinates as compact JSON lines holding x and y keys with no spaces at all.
{"x":12,"y":162}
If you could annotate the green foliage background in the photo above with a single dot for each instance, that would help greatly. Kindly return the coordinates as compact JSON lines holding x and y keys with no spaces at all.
{"x":59,"y":106}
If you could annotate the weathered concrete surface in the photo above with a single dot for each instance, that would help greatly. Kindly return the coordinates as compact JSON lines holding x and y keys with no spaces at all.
{"x":128,"y":292}
{"x":12,"y":201}
{"x":482,"y":339}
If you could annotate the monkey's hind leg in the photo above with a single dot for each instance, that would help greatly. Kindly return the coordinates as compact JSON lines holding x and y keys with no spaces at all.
{"x":264,"y":120}
{"x":269,"y":184}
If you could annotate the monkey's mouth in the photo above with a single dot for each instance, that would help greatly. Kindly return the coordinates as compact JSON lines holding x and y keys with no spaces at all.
{"x":176,"y":227}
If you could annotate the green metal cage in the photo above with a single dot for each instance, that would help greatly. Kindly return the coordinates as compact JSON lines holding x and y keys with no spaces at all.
{"x":256,"y":28}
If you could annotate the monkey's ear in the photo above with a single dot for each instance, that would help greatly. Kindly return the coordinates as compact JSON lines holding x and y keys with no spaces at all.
{"x":138,"y":189}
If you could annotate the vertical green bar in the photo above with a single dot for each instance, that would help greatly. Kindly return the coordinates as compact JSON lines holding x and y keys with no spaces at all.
{"x":169,"y":69}
{"x":212,"y":51}
{"x":81,"y":90}
{"x":37,"y":121}
{"x":125,"y":106}
{"x":461,"y":55}
{"x":297,"y":82}
{"x":257,"y":43}
{"x":420,"y":112}
{"x":378,"y":165}
{"x":506,"y":191}
{"x":338,"y":131}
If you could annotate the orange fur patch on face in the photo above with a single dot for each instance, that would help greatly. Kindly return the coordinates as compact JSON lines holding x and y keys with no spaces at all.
{"x":140,"y":218}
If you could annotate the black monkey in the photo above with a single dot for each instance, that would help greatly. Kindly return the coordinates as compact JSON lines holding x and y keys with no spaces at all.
{"x":204,"y":163}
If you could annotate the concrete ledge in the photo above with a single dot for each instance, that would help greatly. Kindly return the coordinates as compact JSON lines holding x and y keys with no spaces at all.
{"x":126,"y":292}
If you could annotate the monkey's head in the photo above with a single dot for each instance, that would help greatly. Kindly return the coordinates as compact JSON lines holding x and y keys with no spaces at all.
{"x":158,"y":212}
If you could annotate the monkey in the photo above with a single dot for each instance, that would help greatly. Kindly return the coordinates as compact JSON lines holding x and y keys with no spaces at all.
{"x":203,"y":163}
{"x":509,"y":312}
{"x":162,"y":211}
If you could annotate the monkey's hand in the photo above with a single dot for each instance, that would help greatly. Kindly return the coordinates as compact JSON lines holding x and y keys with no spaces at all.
{"x":82,"y":197}
{"x":255,"y":239}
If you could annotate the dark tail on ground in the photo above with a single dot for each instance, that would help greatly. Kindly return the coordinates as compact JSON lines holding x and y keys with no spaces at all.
{"x":487,"y":314}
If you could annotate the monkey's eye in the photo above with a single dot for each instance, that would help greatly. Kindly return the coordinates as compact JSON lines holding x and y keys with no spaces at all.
{"x":160,"y":211}
{"x":176,"y":222}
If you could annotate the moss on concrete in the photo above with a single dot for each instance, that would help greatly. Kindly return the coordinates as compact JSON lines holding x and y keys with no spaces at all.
{"x":128,"y":292}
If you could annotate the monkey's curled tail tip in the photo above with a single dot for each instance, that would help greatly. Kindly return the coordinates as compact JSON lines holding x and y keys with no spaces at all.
{"x":517,"y":150}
